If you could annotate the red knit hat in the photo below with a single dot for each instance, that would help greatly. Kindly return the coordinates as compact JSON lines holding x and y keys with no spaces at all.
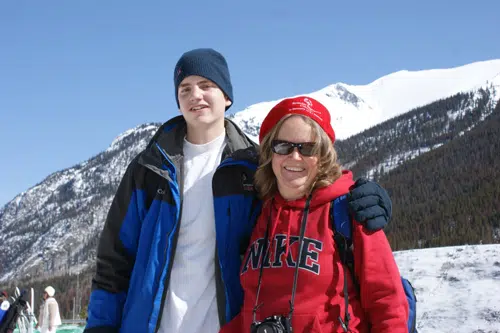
{"x":302,"y":105}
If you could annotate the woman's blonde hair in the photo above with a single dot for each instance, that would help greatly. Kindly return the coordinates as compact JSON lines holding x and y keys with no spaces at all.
{"x":328,"y":168}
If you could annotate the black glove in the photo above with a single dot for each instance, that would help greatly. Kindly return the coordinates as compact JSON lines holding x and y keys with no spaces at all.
{"x":369,"y":203}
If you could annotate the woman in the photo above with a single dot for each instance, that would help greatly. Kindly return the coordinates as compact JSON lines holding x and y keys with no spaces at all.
{"x":298,"y":178}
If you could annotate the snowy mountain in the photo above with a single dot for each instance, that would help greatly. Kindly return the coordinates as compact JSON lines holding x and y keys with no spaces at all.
{"x":54,"y":226}
{"x":357,"y":108}
{"x":423,"y":129}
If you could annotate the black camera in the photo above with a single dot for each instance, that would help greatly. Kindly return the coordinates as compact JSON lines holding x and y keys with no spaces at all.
{"x":273,"y":324}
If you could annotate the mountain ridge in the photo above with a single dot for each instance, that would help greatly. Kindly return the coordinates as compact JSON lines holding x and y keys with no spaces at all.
{"x":384,"y":98}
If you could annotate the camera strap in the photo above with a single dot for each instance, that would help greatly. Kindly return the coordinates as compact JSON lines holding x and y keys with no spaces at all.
{"x":266,"y":252}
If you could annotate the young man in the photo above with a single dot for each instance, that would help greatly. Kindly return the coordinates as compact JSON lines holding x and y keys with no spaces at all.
{"x":169,"y":254}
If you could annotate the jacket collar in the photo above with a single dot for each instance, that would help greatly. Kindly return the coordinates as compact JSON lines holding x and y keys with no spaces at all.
{"x":170,"y":138}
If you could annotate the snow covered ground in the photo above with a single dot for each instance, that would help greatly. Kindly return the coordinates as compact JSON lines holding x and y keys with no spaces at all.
{"x":457,"y":288}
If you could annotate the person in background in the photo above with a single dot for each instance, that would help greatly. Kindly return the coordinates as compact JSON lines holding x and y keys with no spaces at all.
{"x":4,"y":306}
{"x":49,"y":318}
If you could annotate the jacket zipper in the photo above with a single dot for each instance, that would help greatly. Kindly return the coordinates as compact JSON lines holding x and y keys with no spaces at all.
{"x":168,"y":245}
{"x":227,"y":163}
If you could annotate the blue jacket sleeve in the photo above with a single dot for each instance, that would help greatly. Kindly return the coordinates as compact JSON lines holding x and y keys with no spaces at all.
{"x":116,"y":254}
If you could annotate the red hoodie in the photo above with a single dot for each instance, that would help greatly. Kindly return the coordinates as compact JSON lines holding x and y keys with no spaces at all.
{"x":319,"y":296}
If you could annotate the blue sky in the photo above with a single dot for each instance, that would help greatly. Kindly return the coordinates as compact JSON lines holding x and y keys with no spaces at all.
{"x":74,"y":74}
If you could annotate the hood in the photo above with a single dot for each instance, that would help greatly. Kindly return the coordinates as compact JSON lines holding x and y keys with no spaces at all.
{"x":288,"y":214}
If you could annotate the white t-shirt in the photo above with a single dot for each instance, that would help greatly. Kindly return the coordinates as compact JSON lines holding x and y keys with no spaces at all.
{"x":191,"y":304}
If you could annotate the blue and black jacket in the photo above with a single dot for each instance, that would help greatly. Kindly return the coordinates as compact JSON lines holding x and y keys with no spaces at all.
{"x":138,"y":243}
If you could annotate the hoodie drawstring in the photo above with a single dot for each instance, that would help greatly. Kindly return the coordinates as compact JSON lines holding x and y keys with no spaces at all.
{"x":274,"y":224}
{"x":288,"y":242}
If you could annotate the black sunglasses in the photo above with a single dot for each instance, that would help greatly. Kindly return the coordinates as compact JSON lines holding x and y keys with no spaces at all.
{"x":281,"y":147}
